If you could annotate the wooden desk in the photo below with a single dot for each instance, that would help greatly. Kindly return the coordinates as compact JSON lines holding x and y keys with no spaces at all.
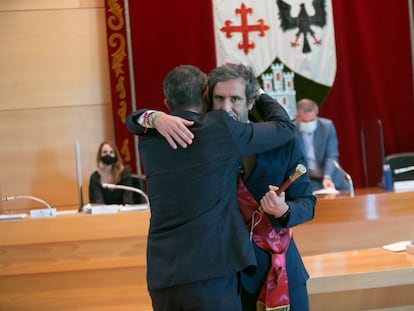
{"x":75,"y":262}
{"x":98,"y":262}
{"x":364,"y":221}
{"x":342,"y":252}
{"x":367,"y":279}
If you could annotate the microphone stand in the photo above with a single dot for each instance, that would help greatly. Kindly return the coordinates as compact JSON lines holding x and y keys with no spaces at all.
{"x":128,"y":188}
{"x":348,"y":178}
{"x":11,"y":198}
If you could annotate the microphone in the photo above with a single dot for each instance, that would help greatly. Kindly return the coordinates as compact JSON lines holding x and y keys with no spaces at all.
{"x":37,"y":213}
{"x":348,"y":177}
{"x":128,"y":188}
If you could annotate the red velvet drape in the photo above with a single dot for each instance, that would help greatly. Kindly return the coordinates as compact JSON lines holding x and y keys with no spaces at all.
{"x":166,"y":34}
{"x":374,"y":70}
{"x":374,"y":78}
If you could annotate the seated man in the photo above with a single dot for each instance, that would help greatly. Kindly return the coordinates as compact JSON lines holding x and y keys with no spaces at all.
{"x":320,"y":146}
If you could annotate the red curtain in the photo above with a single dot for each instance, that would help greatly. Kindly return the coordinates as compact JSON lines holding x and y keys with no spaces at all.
{"x":167,"y":34}
{"x":374,"y":78}
{"x":374,"y":71}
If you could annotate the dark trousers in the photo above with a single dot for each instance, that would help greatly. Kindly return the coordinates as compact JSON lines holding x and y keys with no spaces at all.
{"x":216,"y":294}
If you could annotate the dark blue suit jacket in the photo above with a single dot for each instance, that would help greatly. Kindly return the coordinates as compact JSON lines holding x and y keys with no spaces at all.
{"x":273,"y":168}
{"x":196,"y":230}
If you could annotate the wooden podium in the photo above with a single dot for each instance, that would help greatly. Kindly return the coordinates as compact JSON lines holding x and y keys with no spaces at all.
{"x":75,"y":262}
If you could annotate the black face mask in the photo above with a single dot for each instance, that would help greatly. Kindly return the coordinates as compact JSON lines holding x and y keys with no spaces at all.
{"x":108,"y":160}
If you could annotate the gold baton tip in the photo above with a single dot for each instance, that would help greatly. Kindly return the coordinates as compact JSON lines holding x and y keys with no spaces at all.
{"x":301,"y":168}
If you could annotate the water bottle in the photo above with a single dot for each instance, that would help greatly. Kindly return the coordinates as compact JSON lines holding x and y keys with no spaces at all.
{"x":387,"y":178}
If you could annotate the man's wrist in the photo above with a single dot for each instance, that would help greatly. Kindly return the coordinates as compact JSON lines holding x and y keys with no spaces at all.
{"x":284,"y":219}
{"x":285,"y":214}
{"x":148,"y":118}
{"x":153,"y":118}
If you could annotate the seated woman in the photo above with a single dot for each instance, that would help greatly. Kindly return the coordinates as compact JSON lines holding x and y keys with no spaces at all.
{"x":111,"y":171}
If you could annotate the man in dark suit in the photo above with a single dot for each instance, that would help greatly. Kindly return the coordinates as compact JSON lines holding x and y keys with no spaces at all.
{"x":262,"y":174}
{"x":291,"y":208}
{"x":287,"y":210}
{"x":197,"y":241}
{"x":320,"y":145}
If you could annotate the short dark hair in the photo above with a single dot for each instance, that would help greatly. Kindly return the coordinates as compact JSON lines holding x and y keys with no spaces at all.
{"x":184,"y":86}
{"x":230,"y":71}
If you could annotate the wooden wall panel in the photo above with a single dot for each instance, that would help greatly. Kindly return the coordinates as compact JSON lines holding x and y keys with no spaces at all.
{"x":75,"y":262}
{"x":22,"y":5}
{"x":54,"y":90}
{"x":38,"y":152}
{"x":53,"y":58}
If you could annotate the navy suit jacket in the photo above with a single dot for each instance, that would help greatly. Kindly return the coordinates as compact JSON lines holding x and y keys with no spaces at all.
{"x":273,"y":168}
{"x":326,"y":151}
{"x":196,"y":230}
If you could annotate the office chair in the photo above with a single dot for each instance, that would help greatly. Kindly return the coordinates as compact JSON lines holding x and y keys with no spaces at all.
{"x":402,"y":165}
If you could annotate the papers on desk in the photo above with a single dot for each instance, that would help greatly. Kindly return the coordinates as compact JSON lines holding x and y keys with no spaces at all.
{"x":324,"y":191}
{"x":397,"y":246}
{"x":97,"y":209}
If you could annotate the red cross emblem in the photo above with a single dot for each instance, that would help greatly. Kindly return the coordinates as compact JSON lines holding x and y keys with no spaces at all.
{"x":244,"y":28}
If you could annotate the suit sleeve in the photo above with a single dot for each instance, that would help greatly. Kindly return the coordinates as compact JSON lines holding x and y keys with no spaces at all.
{"x":258,"y":137}
{"x":132,"y":124}
{"x":271,"y":110}
{"x":299,"y":195}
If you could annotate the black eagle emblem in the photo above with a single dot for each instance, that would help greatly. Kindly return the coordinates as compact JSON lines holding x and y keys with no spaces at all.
{"x":303,"y":22}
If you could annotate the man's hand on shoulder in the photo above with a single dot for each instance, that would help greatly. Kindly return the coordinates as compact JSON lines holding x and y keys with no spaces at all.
{"x":174,"y":129}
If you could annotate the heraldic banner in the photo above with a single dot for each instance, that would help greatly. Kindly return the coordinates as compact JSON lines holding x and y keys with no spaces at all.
{"x":121,"y":91}
{"x":300,"y":35}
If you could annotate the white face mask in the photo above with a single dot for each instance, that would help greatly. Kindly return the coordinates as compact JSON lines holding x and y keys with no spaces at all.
{"x":308,"y":127}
